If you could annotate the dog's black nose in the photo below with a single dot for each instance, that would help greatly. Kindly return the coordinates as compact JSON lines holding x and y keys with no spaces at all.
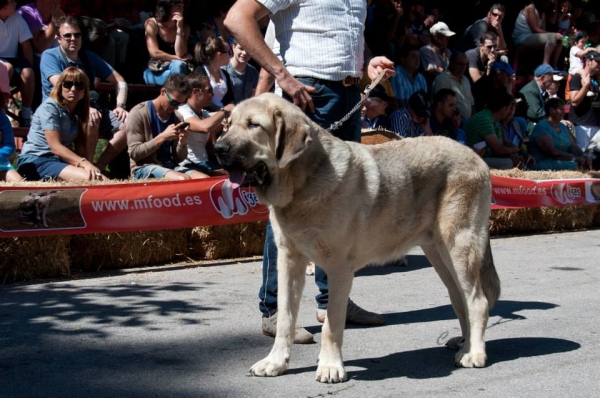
{"x":221,"y":147}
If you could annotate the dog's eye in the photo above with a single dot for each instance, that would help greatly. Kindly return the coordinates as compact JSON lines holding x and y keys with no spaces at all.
{"x":253,"y":125}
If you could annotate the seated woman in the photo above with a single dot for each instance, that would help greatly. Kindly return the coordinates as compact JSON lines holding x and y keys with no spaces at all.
{"x":551,"y":144}
{"x":211,"y":57}
{"x":58,"y":124}
{"x":530,"y":32}
{"x":166,"y":38}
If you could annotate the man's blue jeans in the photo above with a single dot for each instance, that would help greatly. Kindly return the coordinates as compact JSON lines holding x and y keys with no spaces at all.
{"x":332,"y":102}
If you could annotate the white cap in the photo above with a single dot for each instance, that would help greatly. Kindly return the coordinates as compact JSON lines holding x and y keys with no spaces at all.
{"x":442,"y":29}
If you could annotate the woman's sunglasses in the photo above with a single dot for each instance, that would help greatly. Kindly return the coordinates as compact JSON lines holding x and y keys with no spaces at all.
{"x":69,"y":85}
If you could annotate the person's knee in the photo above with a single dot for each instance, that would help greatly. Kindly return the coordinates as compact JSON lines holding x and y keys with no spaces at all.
{"x":28,"y":75}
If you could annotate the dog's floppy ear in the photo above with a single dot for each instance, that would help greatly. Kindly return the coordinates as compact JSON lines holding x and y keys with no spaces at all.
{"x":292,"y":138}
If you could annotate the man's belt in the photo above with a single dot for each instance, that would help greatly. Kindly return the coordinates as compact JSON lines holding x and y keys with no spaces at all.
{"x":351,"y":81}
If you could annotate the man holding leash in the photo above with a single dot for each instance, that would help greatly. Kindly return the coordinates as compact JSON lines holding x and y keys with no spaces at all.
{"x":320,"y":74}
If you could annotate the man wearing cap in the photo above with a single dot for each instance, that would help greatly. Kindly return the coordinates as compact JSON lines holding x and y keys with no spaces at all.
{"x":491,"y":23}
{"x":454,"y":79}
{"x":499,"y":79}
{"x":482,"y":56}
{"x":413,"y":119}
{"x":375,"y":109}
{"x":535,"y":93}
{"x":435,"y":57}
{"x":585,"y":100}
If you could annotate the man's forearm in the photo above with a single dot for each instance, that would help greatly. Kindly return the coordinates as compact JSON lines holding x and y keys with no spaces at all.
{"x":242,"y":22}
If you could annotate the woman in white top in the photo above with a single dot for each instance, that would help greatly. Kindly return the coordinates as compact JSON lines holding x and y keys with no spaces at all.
{"x":212,"y":58}
{"x":530,"y":32}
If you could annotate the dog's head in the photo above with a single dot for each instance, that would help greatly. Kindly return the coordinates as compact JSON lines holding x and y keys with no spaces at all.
{"x":266,"y":134}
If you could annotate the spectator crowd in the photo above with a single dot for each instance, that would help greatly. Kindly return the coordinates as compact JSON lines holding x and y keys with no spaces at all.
{"x":521,"y":93}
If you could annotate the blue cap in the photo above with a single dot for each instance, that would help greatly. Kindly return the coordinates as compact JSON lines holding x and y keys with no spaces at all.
{"x":503,"y":66}
{"x":545,"y":69}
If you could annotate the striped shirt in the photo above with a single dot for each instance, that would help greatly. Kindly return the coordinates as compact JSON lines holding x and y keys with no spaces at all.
{"x":404,"y":86}
{"x":322,"y":39}
{"x":403,"y":125}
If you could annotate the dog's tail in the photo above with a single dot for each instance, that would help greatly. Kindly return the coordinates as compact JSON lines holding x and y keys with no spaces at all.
{"x":490,"y":282}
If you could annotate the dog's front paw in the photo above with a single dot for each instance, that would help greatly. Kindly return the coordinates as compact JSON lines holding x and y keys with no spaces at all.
{"x":470,"y":360}
{"x":331,"y":373}
{"x":268,"y":367}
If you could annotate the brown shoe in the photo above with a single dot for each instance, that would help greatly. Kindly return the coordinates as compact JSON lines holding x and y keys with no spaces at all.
{"x":301,"y":336}
{"x":356,"y":315}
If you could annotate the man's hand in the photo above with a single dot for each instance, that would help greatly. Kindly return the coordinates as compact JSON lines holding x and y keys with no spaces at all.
{"x":95,"y":117}
{"x":121,"y":114}
{"x":299,"y":93}
{"x":171,"y":133}
{"x":378,"y":64}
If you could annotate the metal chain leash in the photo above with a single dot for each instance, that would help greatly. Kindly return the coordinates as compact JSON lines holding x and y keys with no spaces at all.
{"x":368,"y":88}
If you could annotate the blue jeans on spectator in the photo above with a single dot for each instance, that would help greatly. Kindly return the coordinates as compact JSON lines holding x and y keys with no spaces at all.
{"x":332,"y":102}
{"x":158,"y":78}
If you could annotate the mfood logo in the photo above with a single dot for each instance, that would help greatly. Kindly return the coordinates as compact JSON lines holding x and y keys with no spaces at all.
{"x":565,"y":193}
{"x":229,"y":201}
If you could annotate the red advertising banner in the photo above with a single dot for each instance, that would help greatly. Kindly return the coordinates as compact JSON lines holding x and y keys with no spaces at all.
{"x":35,"y":211}
{"x":52,"y":210}
{"x":514,"y":192}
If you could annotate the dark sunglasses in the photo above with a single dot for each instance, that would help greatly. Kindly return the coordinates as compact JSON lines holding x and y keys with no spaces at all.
{"x":68,"y":36}
{"x":69,"y":85}
{"x":172,"y":102}
{"x":497,"y":15}
{"x":491,"y":47}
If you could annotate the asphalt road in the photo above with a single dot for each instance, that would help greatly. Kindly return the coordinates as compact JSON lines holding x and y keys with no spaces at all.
{"x":190,"y":331}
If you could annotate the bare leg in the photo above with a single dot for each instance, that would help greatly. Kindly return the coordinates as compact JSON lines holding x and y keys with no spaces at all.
{"x":27,"y":86}
{"x":72,"y":173}
{"x":176,"y":176}
{"x":113,"y":148}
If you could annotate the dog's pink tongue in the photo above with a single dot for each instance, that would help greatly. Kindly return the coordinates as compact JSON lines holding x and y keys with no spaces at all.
{"x":236,"y":178}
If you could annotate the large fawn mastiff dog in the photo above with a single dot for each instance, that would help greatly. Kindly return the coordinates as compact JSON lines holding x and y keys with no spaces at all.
{"x":344,"y":205}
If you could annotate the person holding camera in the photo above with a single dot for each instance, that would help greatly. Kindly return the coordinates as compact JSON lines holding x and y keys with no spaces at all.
{"x":157,"y":134}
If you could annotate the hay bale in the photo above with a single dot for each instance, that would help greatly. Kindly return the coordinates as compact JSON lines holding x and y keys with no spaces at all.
{"x":28,"y":258}
{"x":543,"y":219}
{"x":228,"y":241}
{"x":93,"y":252}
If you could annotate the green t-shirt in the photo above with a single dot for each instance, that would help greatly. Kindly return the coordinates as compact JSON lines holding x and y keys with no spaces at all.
{"x":479,"y":126}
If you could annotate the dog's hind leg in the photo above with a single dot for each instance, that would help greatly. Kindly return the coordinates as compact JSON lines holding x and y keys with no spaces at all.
{"x":331,"y":364}
{"x":456,"y":298}
{"x":291,"y":269}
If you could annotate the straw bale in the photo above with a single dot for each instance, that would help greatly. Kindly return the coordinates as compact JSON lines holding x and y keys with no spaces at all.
{"x":228,"y":241}
{"x":544,"y":219}
{"x":93,"y":252}
{"x":27,"y":258}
